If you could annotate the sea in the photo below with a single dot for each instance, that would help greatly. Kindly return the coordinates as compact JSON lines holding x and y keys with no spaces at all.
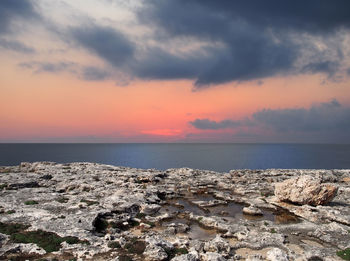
{"x":217,"y":157}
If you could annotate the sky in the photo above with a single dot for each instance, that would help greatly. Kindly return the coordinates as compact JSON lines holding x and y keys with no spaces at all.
{"x":240,"y":71}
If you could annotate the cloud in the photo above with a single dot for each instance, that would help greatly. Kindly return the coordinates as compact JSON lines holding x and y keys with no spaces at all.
{"x":87,"y":73}
{"x":256,"y":39}
{"x":12,"y":10}
{"x":40,"y":67}
{"x":109,"y":44}
{"x":92,"y":73}
{"x":206,"y":124}
{"x":208,"y":42}
{"x":16,"y":46}
{"x":330,"y":118}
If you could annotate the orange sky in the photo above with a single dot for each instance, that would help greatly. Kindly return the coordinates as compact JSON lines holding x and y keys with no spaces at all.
{"x":45,"y":96}
{"x":43,"y":106}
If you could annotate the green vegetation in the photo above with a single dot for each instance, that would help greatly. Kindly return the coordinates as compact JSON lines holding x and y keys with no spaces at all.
{"x":89,"y":202}
{"x":140,"y":215}
{"x":175,"y":251}
{"x":266,"y":223}
{"x":344,"y":254}
{"x":181,"y":251}
{"x":114,"y":244}
{"x":3,"y":186}
{"x":133,"y":223}
{"x":152,"y":224}
{"x":272,"y":230}
{"x":31,"y":202}
{"x":49,"y":241}
{"x":10,"y":212}
{"x":11,"y":228}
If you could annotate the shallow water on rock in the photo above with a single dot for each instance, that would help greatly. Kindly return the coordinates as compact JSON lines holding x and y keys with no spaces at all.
{"x":231,"y":211}
{"x":196,"y":231}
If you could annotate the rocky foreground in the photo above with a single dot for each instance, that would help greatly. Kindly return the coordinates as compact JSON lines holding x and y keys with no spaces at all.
{"x":82,"y":211}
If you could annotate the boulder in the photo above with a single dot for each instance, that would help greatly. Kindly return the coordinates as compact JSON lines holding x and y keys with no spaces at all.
{"x":276,"y":254}
{"x":155,"y":253}
{"x":252,"y":210}
{"x":305,"y":190}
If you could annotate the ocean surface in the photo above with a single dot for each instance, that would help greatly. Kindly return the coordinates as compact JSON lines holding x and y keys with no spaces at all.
{"x":217,"y":157}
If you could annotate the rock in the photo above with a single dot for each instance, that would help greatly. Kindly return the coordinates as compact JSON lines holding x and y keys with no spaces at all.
{"x":186,"y":257}
{"x":31,"y":184}
{"x":254,"y":257}
{"x":252,"y":210}
{"x":155,"y":253}
{"x":210,"y":256}
{"x":156,"y":215}
{"x":276,"y":254}
{"x":150,"y":209}
{"x":217,"y":245}
{"x":179,"y":227}
{"x":305,"y":190}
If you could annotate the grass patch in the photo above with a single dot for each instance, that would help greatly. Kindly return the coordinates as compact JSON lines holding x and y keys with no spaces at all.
{"x":344,"y":254}
{"x":89,"y":202}
{"x":181,"y":251}
{"x":273,"y":231}
{"x":140,"y":215}
{"x":114,"y":244}
{"x":11,"y":212}
{"x":49,"y":241}
{"x":175,"y":251}
{"x":266,"y":223}
{"x":11,"y":228}
{"x":3,"y":186}
{"x":31,"y":202}
{"x":152,"y":224}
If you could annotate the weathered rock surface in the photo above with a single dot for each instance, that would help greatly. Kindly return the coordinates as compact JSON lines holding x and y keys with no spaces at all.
{"x":87,"y":211}
{"x":252,"y":210}
{"x":305,"y":190}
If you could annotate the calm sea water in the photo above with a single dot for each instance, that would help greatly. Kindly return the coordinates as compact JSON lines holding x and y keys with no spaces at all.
{"x":218,"y":157}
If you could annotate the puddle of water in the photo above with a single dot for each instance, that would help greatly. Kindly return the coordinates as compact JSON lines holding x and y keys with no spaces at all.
{"x":201,"y":197}
{"x":185,"y":205}
{"x":198,"y":232}
{"x":284,"y":217}
{"x":231,"y":211}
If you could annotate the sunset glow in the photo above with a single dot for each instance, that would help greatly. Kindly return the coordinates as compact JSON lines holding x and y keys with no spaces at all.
{"x":55,"y":86}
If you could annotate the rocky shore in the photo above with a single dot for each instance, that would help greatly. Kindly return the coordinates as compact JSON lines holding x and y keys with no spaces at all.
{"x":82,"y":211}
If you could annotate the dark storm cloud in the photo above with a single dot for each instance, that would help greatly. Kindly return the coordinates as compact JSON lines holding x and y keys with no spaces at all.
{"x":106,"y":42}
{"x":256,"y":37}
{"x":16,"y":46}
{"x":324,"y":117}
{"x":10,"y":10}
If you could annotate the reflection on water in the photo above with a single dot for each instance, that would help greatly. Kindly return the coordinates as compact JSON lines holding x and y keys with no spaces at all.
{"x":230,"y":211}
